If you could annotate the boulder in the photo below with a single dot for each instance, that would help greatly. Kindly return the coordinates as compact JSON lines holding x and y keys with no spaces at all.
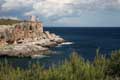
{"x":59,"y":40}
{"x":48,"y":35}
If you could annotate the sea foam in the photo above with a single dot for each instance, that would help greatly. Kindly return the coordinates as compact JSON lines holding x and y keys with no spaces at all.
{"x":39,"y":56}
{"x":65,"y":43}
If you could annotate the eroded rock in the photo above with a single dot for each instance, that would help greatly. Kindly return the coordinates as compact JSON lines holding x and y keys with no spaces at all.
{"x":26,"y":39}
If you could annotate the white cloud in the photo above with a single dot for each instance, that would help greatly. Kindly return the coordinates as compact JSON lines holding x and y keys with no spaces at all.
{"x":49,"y":8}
{"x":9,"y":17}
{"x":69,"y":21}
{"x":118,"y":1}
{"x":16,"y":4}
{"x":57,"y":8}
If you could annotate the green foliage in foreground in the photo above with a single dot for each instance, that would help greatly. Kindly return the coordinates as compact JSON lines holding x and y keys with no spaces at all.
{"x":74,"y":69}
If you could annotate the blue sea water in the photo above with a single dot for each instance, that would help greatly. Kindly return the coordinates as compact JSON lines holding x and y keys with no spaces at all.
{"x":85,"y":42}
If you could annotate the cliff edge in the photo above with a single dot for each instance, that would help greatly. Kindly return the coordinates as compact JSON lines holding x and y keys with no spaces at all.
{"x":26,"y":38}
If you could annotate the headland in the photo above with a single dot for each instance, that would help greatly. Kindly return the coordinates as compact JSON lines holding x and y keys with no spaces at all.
{"x":26,"y":38}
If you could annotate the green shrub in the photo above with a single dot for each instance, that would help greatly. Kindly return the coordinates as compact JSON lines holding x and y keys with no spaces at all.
{"x":113,"y":68}
{"x":76,"y":68}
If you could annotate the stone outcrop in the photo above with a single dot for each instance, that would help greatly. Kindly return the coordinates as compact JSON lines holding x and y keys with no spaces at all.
{"x":26,"y":38}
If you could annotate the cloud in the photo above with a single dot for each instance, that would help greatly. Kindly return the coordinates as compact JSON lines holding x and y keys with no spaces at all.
{"x":69,"y":21}
{"x":50,"y":8}
{"x":54,"y":9}
{"x":9,"y":17}
{"x":16,"y":4}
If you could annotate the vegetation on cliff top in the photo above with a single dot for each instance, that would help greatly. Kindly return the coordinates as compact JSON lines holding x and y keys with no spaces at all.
{"x":76,"y":68}
{"x":8,"y":21}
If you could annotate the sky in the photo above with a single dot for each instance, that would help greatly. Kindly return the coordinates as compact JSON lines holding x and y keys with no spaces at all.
{"x":65,"y":13}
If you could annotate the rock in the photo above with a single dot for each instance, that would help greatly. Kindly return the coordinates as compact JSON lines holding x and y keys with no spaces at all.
{"x":44,"y":36}
{"x":45,"y":43}
{"x":49,"y":35}
{"x":30,"y":48}
{"x":23,"y":50}
{"x":59,"y":40}
{"x":53,"y":35}
{"x":26,"y":39}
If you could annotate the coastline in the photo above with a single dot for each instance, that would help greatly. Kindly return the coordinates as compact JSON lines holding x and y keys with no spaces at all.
{"x":28,"y":49}
{"x":26,"y":39}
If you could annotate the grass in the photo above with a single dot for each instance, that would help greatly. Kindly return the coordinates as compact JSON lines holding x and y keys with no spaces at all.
{"x":8,"y":21}
{"x":76,"y":68}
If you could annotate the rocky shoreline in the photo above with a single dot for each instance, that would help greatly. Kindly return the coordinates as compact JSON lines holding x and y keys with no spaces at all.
{"x":26,"y":38}
{"x":28,"y":49}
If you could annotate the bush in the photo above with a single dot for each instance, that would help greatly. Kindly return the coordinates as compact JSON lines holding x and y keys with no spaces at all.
{"x":74,"y":69}
{"x":113,"y":68}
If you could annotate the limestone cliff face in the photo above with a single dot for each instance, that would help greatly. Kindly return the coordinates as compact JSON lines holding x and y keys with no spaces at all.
{"x":17,"y":33}
{"x":26,"y":39}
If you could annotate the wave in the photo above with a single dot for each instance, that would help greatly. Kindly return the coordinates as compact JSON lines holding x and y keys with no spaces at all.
{"x":38,"y":56}
{"x":65,"y":43}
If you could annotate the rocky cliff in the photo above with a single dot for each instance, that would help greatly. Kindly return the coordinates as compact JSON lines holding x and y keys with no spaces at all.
{"x":26,"y":39}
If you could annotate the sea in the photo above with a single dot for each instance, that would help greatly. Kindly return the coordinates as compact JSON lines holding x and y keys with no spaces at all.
{"x":82,"y":40}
